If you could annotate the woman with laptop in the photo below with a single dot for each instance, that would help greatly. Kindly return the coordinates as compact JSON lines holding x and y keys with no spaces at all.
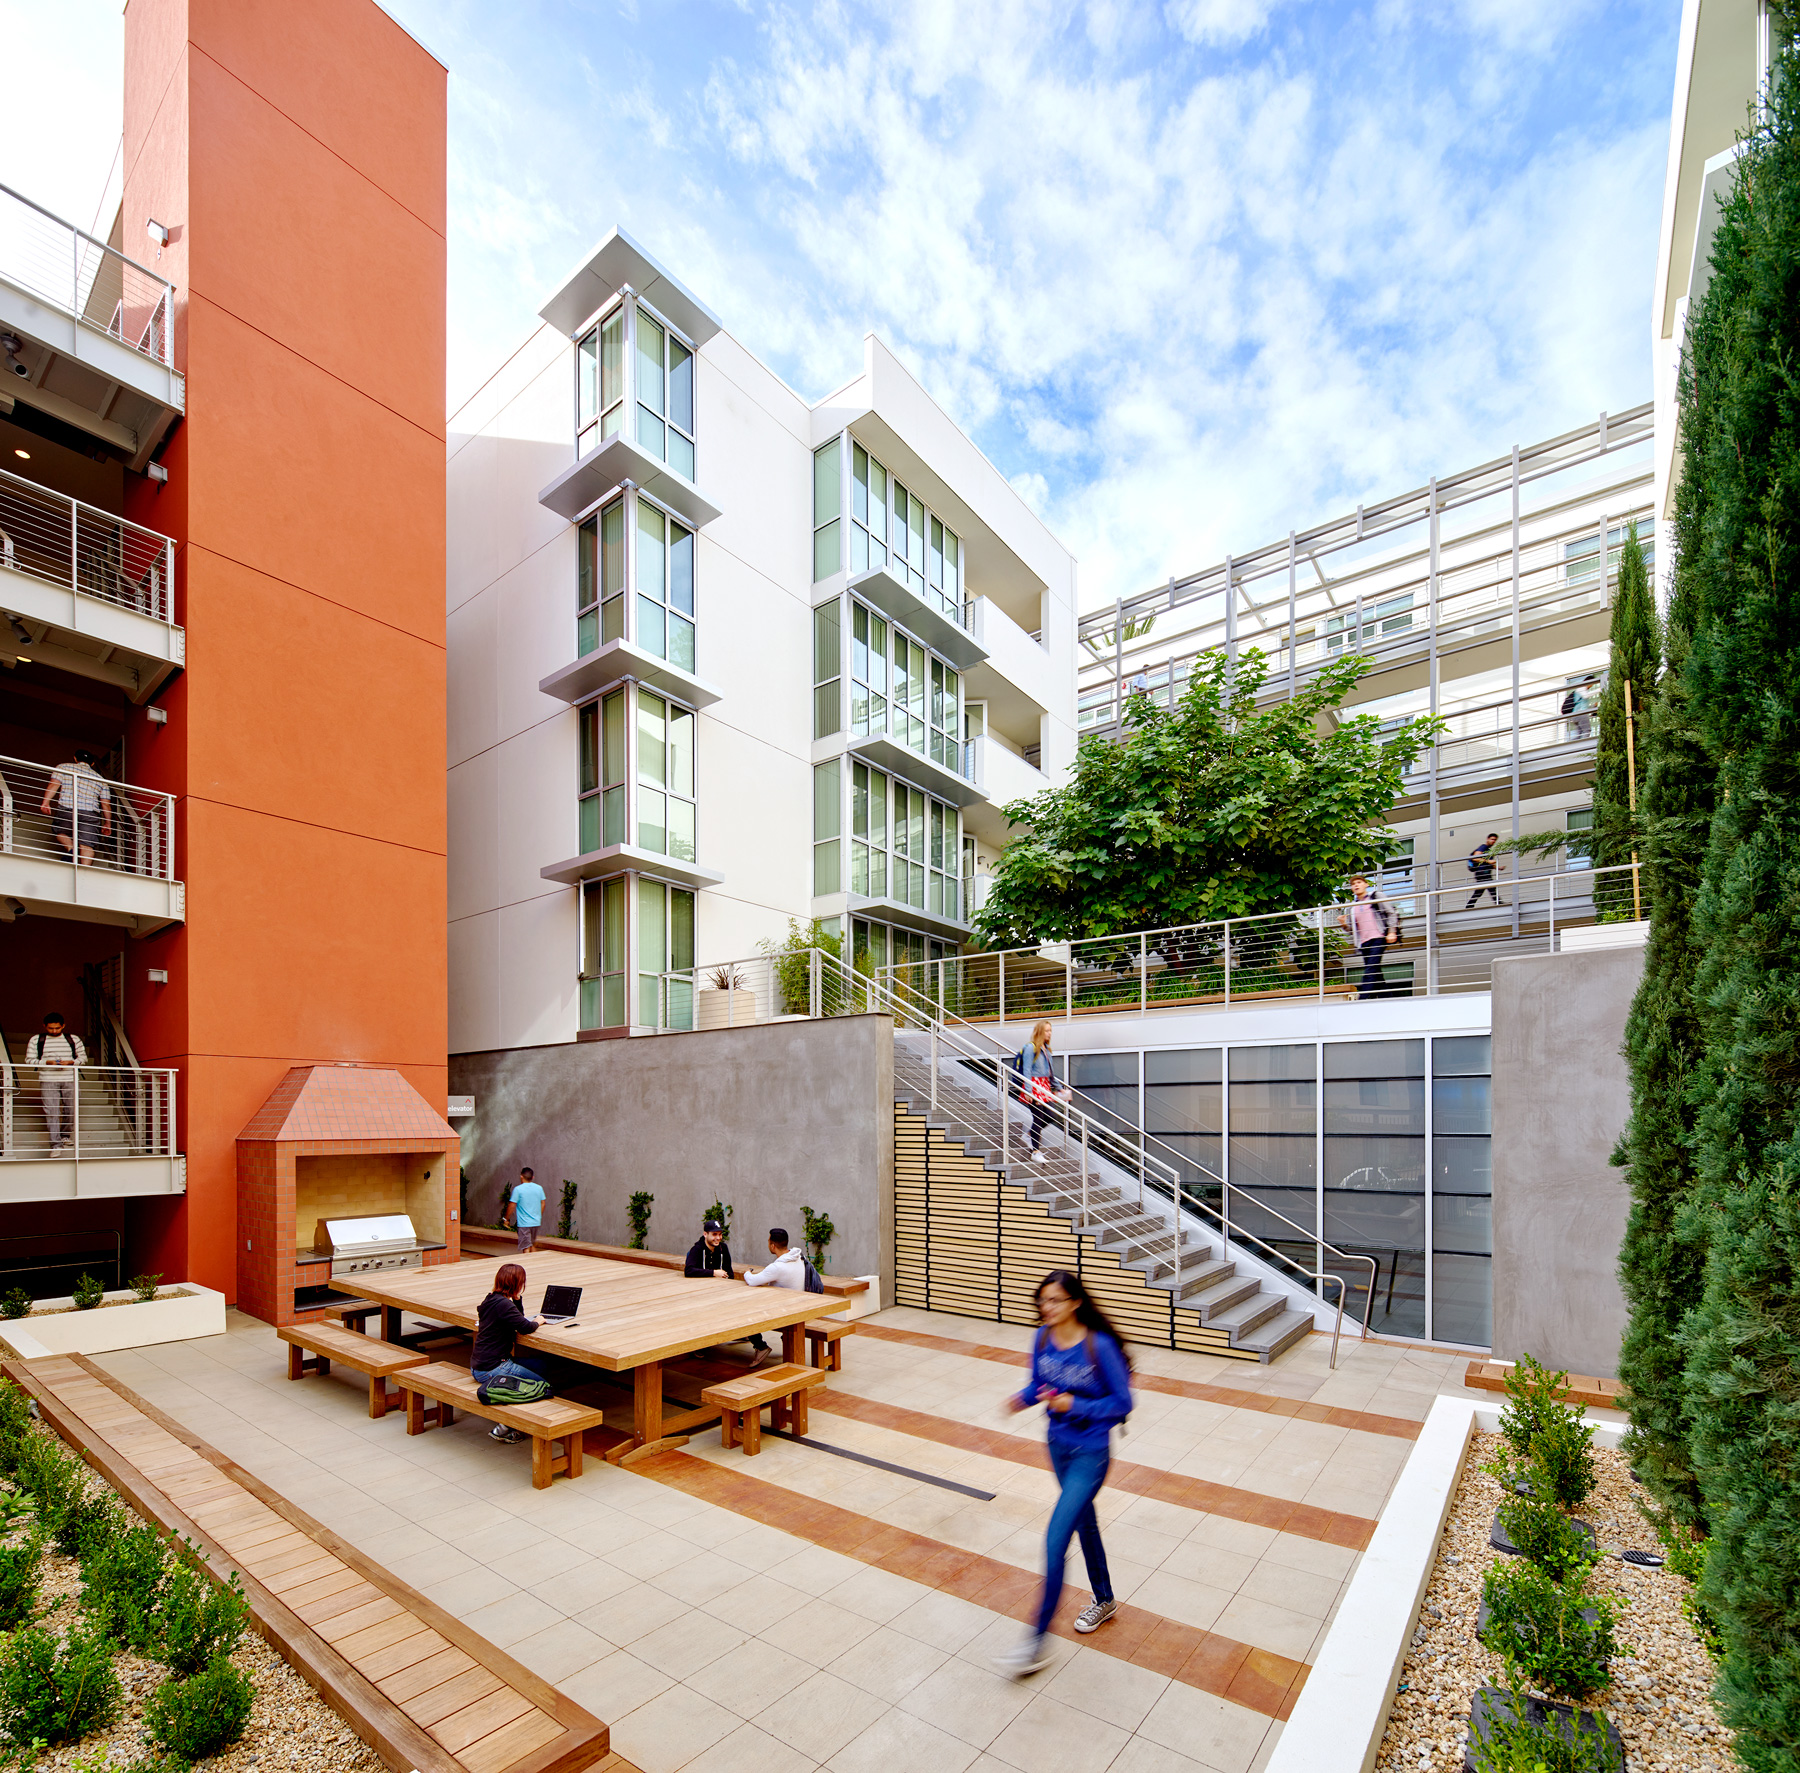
{"x":496,"y":1365}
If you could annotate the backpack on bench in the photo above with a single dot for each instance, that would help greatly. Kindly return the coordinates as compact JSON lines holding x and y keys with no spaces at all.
{"x":512,"y":1391}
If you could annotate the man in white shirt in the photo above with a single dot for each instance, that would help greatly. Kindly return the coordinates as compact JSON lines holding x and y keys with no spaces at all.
{"x":56,"y":1056}
{"x":787,"y":1270}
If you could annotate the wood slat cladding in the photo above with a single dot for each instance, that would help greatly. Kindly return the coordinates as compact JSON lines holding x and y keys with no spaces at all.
{"x":968,"y":1241}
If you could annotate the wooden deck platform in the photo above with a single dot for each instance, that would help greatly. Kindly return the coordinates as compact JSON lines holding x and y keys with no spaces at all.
{"x":1583,"y":1388}
{"x":418,"y":1686}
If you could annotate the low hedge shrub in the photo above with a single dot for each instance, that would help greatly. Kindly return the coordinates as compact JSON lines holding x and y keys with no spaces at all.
{"x":200,"y":1714}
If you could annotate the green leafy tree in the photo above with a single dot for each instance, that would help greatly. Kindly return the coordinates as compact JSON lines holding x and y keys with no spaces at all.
{"x":1660,"y":1267}
{"x":1621,"y":764}
{"x":1213,"y":808}
{"x":1741,"y":454}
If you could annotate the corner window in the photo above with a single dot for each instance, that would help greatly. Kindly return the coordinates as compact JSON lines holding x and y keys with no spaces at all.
{"x":828,"y":821}
{"x":650,"y":801}
{"x":600,"y":579}
{"x":892,"y":530}
{"x":868,"y":671}
{"x":600,"y":383}
{"x":828,"y":502}
{"x":665,"y":586}
{"x":636,"y":540}
{"x":661,"y":385}
{"x":904,"y":844}
{"x":637,"y":954}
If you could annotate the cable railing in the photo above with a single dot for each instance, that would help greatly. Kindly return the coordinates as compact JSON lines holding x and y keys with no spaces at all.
{"x":69,"y":813}
{"x":87,"y":1112}
{"x":1445,"y":940}
{"x":809,"y":984}
{"x":78,"y":547}
{"x":94,"y":283}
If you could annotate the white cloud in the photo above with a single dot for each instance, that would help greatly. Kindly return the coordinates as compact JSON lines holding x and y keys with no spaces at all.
{"x":1218,"y":21}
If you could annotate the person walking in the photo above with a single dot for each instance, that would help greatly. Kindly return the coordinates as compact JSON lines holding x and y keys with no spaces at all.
{"x":1082,"y":1375}
{"x":1037,"y":1087}
{"x":83,"y":803}
{"x":1373,"y":928}
{"x":499,"y":1322}
{"x":58,"y":1056}
{"x":1481,"y":865}
{"x":525,"y":1211}
{"x":710,"y":1259}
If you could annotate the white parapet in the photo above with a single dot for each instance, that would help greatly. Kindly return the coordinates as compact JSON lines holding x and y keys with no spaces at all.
{"x":121,"y":1321}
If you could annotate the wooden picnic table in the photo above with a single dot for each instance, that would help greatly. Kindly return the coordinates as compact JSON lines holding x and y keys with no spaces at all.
{"x":632,"y":1319}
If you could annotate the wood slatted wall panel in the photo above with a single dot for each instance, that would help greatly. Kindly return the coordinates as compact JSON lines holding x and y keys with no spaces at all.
{"x":968,"y":1243}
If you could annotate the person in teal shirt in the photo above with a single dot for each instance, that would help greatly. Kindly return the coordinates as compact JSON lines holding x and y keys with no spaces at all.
{"x":526,"y":1211}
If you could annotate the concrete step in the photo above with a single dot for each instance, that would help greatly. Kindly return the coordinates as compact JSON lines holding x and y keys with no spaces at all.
{"x":1239,"y":1320}
{"x":1277,"y":1335}
{"x":1223,"y":1296}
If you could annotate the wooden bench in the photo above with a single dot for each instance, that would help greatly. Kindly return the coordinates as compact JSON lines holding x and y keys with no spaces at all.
{"x":825,"y":1343}
{"x":380,"y":1361}
{"x":356,"y":1317}
{"x":740,"y":1404}
{"x":419,"y":1686}
{"x":1582,"y":1388}
{"x":451,"y":1388}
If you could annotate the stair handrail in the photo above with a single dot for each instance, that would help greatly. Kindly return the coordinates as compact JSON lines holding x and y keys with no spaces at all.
{"x":7,"y":1086}
{"x":934,"y":1020}
{"x":121,"y":1074}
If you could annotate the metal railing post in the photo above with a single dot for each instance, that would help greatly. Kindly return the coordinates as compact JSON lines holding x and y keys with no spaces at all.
{"x":813,"y":982}
{"x":1321,"y":935}
{"x":934,"y":1063}
{"x":1143,"y":975}
{"x":1005,"y":1117}
{"x":1227,"y":942}
{"x":1084,"y":1172}
{"x":75,"y":1131}
{"x":1552,"y":915}
{"x":1002,"y":987}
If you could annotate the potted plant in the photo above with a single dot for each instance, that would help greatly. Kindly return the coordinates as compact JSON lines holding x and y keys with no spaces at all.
{"x":726,"y":1000}
{"x":816,"y":1234}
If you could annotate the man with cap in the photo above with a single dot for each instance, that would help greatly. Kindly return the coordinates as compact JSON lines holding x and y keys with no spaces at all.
{"x":710,"y":1259}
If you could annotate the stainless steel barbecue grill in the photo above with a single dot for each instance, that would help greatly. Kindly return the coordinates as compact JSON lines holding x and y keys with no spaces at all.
{"x":369,"y":1245}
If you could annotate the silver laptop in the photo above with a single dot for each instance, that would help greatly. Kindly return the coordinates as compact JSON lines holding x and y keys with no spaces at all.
{"x":560,"y":1305}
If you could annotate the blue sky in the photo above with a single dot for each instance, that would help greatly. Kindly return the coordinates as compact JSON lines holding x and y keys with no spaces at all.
{"x":1191,"y":274}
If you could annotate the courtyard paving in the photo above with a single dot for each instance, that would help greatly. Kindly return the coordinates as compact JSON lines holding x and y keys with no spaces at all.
{"x":805,"y":1610}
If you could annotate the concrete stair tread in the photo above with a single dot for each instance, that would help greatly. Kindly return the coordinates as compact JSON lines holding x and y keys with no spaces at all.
{"x":1277,"y":1334}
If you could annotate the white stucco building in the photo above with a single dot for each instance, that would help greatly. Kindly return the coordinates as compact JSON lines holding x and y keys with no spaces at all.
{"x":720,"y":657}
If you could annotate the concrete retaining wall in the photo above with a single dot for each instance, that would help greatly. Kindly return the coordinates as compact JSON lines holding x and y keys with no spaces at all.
{"x":1561,"y":1097}
{"x":768,"y":1118}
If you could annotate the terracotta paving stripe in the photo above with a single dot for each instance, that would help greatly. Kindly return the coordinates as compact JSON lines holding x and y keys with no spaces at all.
{"x":1399,"y":1427}
{"x":1299,"y":1518}
{"x":1257,"y":1679}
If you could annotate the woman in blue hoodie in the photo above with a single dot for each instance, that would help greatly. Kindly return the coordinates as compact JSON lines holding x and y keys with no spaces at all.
{"x":1080,"y":1373}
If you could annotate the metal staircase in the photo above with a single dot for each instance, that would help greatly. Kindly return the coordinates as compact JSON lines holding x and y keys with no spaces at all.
{"x":1118,"y":1190}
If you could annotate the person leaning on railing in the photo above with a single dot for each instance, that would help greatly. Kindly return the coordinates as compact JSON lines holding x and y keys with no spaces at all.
{"x":57,"y":1056}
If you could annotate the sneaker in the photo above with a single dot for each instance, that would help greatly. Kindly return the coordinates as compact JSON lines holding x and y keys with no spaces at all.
{"x":1026,"y":1659}
{"x":508,"y":1436}
{"x":1040,"y":1157}
{"x":1092,"y":1618}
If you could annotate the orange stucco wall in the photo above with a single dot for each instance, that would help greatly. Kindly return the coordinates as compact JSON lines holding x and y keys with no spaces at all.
{"x":295,"y":151}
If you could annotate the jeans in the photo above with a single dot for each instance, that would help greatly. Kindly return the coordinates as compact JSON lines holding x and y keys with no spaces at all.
{"x":1043,"y":1114}
{"x":525,"y":1366}
{"x":1080,"y":1472}
{"x":1483,"y":884}
{"x":58,"y":1097}
{"x":1373,"y":983}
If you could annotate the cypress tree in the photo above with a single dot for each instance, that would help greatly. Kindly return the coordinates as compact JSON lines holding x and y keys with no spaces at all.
{"x":1661,"y":1270}
{"x":1742,"y":1340}
{"x":1618,"y":759}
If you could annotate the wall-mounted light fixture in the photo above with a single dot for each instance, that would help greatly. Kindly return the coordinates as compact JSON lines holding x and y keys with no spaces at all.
{"x":157,"y":472}
{"x":156,"y":716}
{"x":157,"y":232}
{"x":158,"y":975}
{"x":24,"y":455}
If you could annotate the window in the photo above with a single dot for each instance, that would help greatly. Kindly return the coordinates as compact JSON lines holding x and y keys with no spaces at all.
{"x":600,"y":383}
{"x":1462,"y":1190}
{"x":868,"y":831}
{"x":868,"y":671}
{"x":1580,"y":826}
{"x":600,"y":579}
{"x":892,"y":530}
{"x":1581,"y":558}
{"x":602,"y":772}
{"x":828,"y":500}
{"x":665,"y":587}
{"x":665,"y":777}
{"x":923,"y":707}
{"x":1184,"y":1108}
{"x":632,"y":924}
{"x":828,"y":820}
{"x":665,"y":955}
{"x":1273,"y":1142}
{"x":828,"y":666}
{"x":603,"y":953}
{"x":904,"y":844}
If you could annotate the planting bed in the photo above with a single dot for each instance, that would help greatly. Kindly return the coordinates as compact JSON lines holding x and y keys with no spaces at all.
{"x":1660,"y":1698}
{"x":290,"y":1726}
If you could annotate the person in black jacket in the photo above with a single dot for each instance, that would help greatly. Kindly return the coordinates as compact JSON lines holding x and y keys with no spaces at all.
{"x":500,"y":1321}
{"x":710,"y":1259}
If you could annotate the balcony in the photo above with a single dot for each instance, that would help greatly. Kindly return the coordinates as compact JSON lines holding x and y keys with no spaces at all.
{"x":620,"y":659}
{"x":618,"y":461}
{"x":630,"y":858}
{"x":922,"y":616}
{"x":128,"y":839}
{"x":1019,"y":680}
{"x":887,"y":753}
{"x":89,"y":333}
{"x":93,"y":594}
{"x":117,"y":1124}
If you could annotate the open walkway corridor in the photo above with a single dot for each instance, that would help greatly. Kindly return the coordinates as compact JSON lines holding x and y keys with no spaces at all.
{"x":804,"y":1609}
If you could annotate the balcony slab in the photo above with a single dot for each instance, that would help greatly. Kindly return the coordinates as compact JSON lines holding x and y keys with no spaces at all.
{"x":618,"y":460}
{"x":900,"y":603}
{"x":91,"y":637}
{"x":88,"y":894}
{"x":620,"y":659}
{"x":627,"y":858}
{"x":90,"y":1178}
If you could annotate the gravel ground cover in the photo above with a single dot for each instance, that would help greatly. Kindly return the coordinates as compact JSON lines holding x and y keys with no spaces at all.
{"x":1661,"y":1696}
{"x":290,"y":1725}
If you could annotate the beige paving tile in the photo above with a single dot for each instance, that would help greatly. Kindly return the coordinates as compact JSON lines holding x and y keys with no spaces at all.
{"x":898,"y":1742}
{"x":698,"y":1580}
{"x":819,"y":1632}
{"x":586,"y":1585}
{"x":615,"y":1685}
{"x":1214,"y":1565}
{"x":970,"y":1702}
{"x":943,"y":1620}
{"x":1310,"y":1555}
{"x":561,"y":1649}
{"x":749,"y":1749}
{"x":1107,"y":1688}
{"x":671,"y":1730}
{"x":1268,"y":1626}
{"x":1050,"y":1737}
{"x":636,"y":1612}
{"x":1207,"y":1729}
{"x":686,"y":1644}
{"x":821,"y":1715}
{"x":888,"y":1664}
{"x":1193,"y":1603}
{"x":1230,"y":1535}
{"x":1297,"y":1590}
{"x":875,"y":1594}
{"x":747,"y":1679}
{"x":513,"y":1616}
{"x":757,"y":1604}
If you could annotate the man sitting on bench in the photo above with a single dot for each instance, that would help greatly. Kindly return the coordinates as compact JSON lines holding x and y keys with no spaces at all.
{"x":500,"y":1321}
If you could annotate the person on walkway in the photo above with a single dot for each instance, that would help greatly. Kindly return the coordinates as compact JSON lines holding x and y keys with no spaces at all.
{"x":83,"y":803}
{"x":57,"y":1056}
{"x":499,"y":1321}
{"x":1373,"y":927}
{"x":1082,"y":1375}
{"x":1037,"y":1087}
{"x":710,"y":1259}
{"x":1481,"y":865}
{"x":1581,"y":701}
{"x":525,"y":1211}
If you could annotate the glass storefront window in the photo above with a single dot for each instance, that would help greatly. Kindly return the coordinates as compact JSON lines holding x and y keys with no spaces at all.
{"x":1184,"y":1107}
{"x":1462,"y":1190}
{"x":1273,"y":1143}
